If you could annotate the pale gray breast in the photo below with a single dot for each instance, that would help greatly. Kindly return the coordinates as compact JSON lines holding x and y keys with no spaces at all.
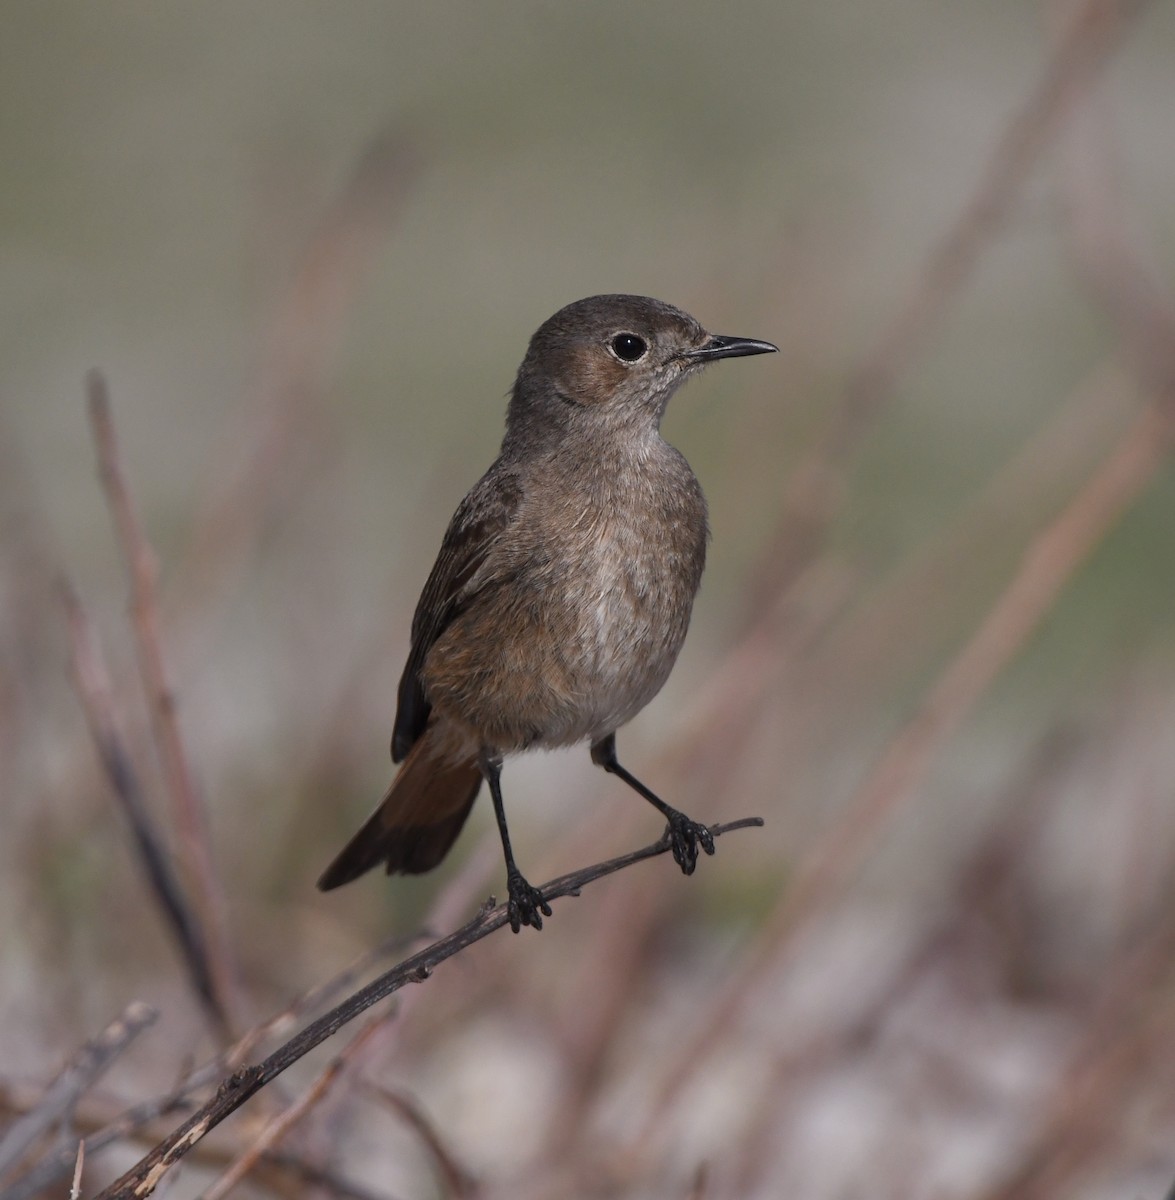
{"x":641,"y":556}
{"x":580,"y":610}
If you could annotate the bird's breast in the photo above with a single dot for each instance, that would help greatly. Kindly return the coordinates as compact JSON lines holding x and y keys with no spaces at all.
{"x":582,"y":610}
{"x":640,"y":558}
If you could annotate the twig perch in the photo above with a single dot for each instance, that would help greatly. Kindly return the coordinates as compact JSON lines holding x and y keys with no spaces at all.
{"x":145,"y":1176}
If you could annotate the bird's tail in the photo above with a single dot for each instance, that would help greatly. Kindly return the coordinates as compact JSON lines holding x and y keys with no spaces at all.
{"x":417,"y":821}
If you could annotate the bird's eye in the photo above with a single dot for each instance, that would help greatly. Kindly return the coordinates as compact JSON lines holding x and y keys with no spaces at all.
{"x":628,"y":347}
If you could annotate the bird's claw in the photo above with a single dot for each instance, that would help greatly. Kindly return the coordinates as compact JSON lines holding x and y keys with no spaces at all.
{"x":685,"y":836}
{"x":526,"y":905}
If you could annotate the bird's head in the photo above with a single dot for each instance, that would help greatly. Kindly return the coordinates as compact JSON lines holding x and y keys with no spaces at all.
{"x":613,"y":361}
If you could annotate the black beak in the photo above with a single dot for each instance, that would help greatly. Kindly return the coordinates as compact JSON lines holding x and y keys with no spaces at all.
{"x":721,"y":346}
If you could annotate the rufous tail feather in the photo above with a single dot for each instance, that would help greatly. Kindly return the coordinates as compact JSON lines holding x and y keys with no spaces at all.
{"x":418,"y":820}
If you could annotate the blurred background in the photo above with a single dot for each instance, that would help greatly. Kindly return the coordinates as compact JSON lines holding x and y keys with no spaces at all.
{"x":306,"y":244}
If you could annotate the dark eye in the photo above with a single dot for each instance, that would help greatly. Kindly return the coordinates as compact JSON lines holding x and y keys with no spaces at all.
{"x":628,"y":347}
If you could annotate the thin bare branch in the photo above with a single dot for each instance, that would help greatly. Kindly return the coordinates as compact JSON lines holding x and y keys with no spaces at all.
{"x":1130,"y":1023}
{"x":191,"y":821}
{"x":308,"y":1173}
{"x":1112,"y":267}
{"x":75,"y":1190}
{"x":142,"y":1179}
{"x":1045,"y":570}
{"x":92,"y":682}
{"x":132,"y":1123}
{"x":701,"y":1180}
{"x":459,"y":1181}
{"x":58,"y":1164}
{"x":454,"y":899}
{"x":286,"y":1173}
{"x":277,"y":1127}
{"x":300,"y":348}
{"x":79,"y":1074}
{"x":1087,"y":45}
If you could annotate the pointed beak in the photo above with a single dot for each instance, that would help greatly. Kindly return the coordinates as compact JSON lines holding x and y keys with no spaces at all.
{"x":722,"y":346}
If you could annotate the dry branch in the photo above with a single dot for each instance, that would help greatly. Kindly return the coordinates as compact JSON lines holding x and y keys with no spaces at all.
{"x":143,"y":1178}
{"x":191,"y":821}
{"x":282,"y":1172}
{"x":92,"y":683}
{"x":87,"y":1065}
{"x":459,"y":1182}
{"x":1047,"y":567}
{"x":277,"y":1127}
{"x":1086,"y":46}
{"x":1130,"y":1021}
{"x":1085,"y":1113}
{"x":299,"y":351}
{"x":75,"y":1190}
{"x":453,"y":900}
{"x":104,"y":1131}
{"x":1113,"y":269}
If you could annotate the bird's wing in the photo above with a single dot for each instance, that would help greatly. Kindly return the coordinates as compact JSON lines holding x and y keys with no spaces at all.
{"x":489,"y":509}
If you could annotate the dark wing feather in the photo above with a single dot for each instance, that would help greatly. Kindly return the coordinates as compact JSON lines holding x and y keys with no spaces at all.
{"x":479,"y":521}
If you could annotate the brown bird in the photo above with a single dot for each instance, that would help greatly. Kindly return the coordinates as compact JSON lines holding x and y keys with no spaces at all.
{"x":562,"y":591}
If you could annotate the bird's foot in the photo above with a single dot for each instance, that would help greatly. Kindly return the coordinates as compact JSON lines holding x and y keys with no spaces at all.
{"x":526,"y":903}
{"x":685,"y":836}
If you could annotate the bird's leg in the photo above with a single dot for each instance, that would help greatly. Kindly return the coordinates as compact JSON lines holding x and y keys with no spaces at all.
{"x":685,"y":836}
{"x":526,"y":902}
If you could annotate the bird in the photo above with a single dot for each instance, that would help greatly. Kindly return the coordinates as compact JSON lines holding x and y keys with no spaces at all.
{"x":562,"y":590}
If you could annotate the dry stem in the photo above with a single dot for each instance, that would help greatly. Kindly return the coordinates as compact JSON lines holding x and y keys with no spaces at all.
{"x":191,"y":820}
{"x":142,"y":1179}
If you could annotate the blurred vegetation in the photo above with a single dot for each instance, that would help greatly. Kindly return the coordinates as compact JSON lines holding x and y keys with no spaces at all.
{"x":306,"y":245}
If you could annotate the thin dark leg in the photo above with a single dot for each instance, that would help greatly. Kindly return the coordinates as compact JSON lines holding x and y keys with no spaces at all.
{"x":685,"y":836}
{"x":526,"y":903}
